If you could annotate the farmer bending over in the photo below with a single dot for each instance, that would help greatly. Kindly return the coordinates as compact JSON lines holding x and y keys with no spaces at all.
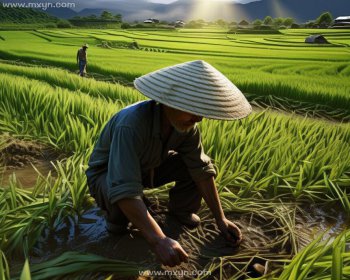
{"x":154,"y":142}
{"x":82,"y":59}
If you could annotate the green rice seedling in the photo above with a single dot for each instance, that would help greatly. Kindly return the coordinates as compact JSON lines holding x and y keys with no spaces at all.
{"x":73,"y":264}
{"x":266,"y":156}
{"x":52,"y":116}
{"x":285,"y":70}
{"x":300,"y":144}
{"x":64,"y":79}
{"x":71,"y":175}
{"x":250,"y":151}
{"x":308,"y":109}
{"x":337,"y":257}
{"x":26,"y":213}
{"x":320,"y":260}
{"x":4,"y":267}
{"x":25,"y":275}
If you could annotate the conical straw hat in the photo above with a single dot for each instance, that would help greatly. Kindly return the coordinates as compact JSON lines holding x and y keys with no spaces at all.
{"x":195,"y":87}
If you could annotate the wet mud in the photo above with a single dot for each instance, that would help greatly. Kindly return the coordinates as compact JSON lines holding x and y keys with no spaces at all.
{"x":262,"y":242}
{"x":20,"y":159}
{"x":266,"y":239}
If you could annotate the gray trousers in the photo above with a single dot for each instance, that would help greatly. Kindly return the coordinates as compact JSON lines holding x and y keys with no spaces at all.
{"x":184,"y":197}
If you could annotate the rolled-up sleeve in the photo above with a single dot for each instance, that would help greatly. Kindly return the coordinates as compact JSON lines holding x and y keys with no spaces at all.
{"x":198,"y":163}
{"x":124,"y":178}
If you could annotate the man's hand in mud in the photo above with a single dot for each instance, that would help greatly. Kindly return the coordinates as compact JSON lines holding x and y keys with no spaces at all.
{"x":230,"y":231}
{"x":170,"y":252}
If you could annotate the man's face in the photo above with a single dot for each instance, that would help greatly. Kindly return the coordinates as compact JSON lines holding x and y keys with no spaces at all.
{"x":181,"y":121}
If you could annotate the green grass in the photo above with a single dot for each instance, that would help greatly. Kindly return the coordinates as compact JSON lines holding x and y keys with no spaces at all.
{"x":264,"y":161}
{"x":75,"y":264}
{"x":279,"y":65}
{"x":312,"y":152}
{"x":320,"y":260}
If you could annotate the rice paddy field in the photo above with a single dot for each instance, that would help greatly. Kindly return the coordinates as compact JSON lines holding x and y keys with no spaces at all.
{"x":283,"y":172}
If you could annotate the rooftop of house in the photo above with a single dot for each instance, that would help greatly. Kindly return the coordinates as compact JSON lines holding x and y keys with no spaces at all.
{"x":343,"y":18}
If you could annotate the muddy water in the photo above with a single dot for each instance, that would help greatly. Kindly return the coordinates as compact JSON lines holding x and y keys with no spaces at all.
{"x":202,"y":244}
{"x":26,"y":175}
{"x":90,"y":235}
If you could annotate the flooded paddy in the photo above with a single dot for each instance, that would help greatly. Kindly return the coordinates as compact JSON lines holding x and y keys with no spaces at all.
{"x":23,"y":160}
{"x":266,"y":240}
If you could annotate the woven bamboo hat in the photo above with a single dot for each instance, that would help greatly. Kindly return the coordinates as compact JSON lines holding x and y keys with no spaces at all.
{"x":195,"y":87}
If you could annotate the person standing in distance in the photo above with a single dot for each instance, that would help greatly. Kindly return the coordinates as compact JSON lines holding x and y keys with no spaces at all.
{"x":82,"y":59}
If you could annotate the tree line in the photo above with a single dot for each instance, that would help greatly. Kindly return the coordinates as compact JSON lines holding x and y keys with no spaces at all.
{"x":323,"y":21}
{"x":104,"y":16}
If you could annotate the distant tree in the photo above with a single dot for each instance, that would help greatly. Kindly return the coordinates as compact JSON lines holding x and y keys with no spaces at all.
{"x":233,"y":23}
{"x":310,"y":24}
{"x":257,"y":22}
{"x":278,"y":21}
{"x":91,"y":17}
{"x":118,"y":17}
{"x":288,"y":21}
{"x":76,"y":18}
{"x":325,"y":18}
{"x":125,"y":25}
{"x":295,"y":25}
{"x":194,"y":24}
{"x":106,"y":15}
{"x":243,"y":22}
{"x":221,"y":22}
{"x":51,"y":25}
{"x":268,"y":20}
{"x":63,"y":24}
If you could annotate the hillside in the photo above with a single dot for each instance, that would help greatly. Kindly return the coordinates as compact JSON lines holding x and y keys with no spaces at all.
{"x":24,"y":15}
{"x":301,"y":10}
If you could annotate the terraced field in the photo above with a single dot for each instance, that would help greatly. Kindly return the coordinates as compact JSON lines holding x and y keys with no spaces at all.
{"x":283,"y":172}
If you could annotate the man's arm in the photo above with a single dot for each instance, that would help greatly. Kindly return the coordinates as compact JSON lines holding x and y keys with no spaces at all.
{"x":210,"y":194}
{"x":125,"y":183}
{"x":168,"y":250}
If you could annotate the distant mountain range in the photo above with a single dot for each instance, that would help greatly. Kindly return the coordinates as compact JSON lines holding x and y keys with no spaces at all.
{"x":301,"y":10}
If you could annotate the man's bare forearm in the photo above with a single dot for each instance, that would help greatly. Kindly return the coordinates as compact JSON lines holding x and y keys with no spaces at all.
{"x":136,"y":211}
{"x":210,"y":195}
